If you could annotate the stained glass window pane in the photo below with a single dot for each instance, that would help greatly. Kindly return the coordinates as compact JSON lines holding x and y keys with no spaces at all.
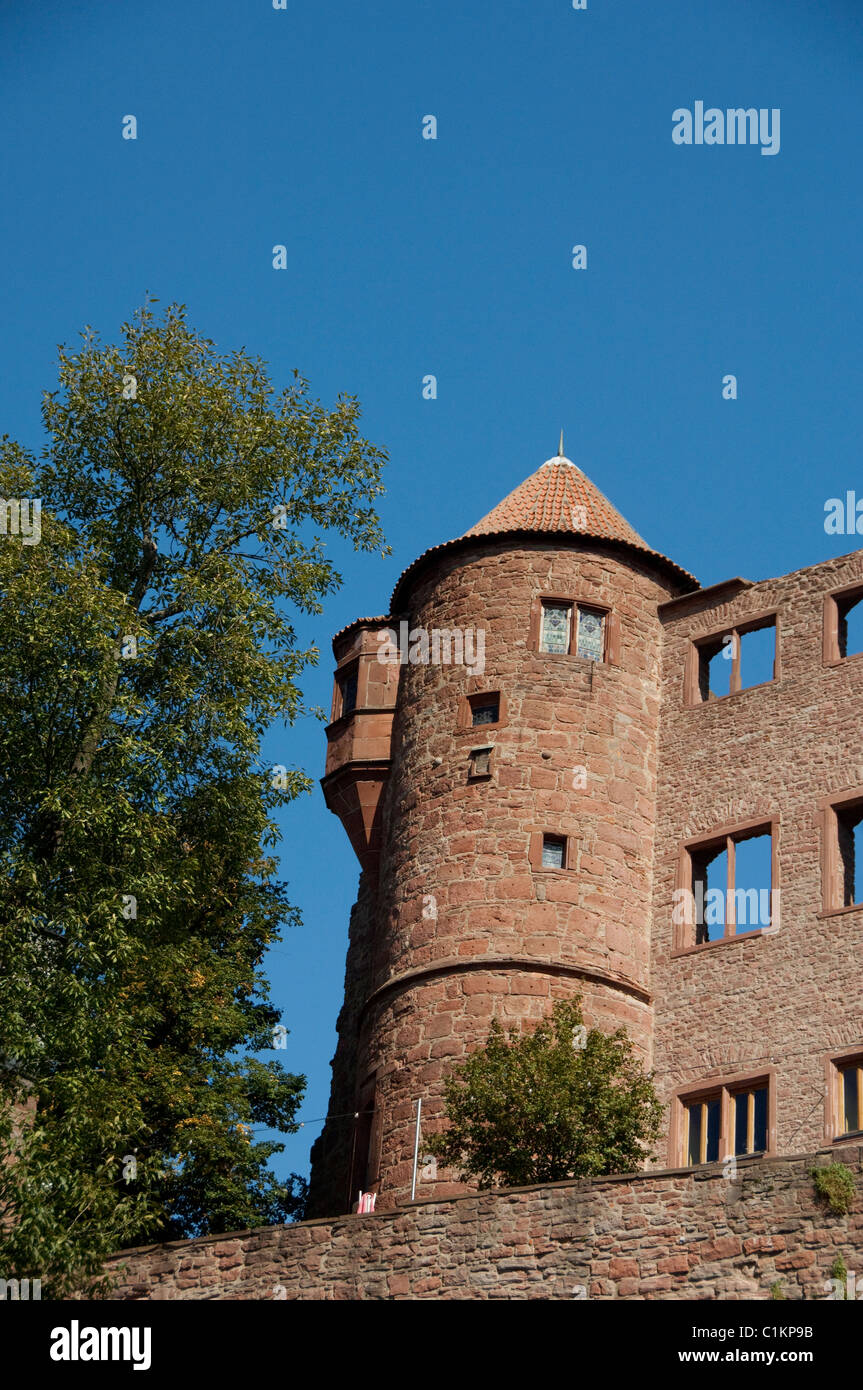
{"x":552,"y":853}
{"x":591,"y":633}
{"x":555,"y":628}
{"x":485,"y":714}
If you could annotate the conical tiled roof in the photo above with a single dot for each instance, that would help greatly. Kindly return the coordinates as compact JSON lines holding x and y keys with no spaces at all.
{"x":558,"y":497}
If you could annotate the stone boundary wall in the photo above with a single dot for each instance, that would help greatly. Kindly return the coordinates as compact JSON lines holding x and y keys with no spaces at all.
{"x":679,"y":1234}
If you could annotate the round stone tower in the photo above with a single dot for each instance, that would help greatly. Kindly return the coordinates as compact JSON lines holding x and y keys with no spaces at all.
{"x":493,"y":757}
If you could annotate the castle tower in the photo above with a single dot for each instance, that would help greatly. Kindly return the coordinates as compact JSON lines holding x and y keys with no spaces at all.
{"x":497,"y":779}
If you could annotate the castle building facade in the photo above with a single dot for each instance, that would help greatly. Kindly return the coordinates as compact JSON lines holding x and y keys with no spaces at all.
{"x":567,"y":769}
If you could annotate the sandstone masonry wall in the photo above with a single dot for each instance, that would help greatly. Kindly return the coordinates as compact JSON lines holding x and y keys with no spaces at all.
{"x":678,"y":1234}
{"x":778,"y":1004}
{"x":467,"y":923}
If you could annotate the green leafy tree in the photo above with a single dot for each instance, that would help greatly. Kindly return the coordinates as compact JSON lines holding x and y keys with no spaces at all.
{"x":562,"y":1101}
{"x":146,"y":646}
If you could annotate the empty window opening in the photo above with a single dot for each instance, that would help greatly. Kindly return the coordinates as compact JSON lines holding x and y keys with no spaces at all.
{"x":757,"y":655}
{"x":480,"y":762}
{"x":850,"y":612}
{"x":738,"y":660}
{"x":849,"y":824}
{"x":753,"y":865}
{"x":714,"y":669}
{"x":553,"y":852}
{"x":487,"y":711}
{"x":709,"y":885}
{"x":732,"y":885}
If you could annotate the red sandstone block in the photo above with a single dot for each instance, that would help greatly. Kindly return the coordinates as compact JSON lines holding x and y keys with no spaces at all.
{"x":766,"y":1244}
{"x":618,"y":938}
{"x":490,"y":918}
{"x":627,"y":1288}
{"x":588,"y":864}
{"x":622,"y":1269}
{"x":800,"y":1261}
{"x":545,"y":946}
{"x":659,"y":1284}
{"x":485,"y":984}
{"x":720,"y":1248}
{"x":462,"y":844}
{"x":432,"y":1072}
{"x":514,"y":888}
{"x":542,"y":779}
{"x":509,"y":777}
{"x":541,"y":916}
{"x":530,"y":984}
{"x":564,"y":890}
{"x":481,"y":1006}
{"x":470,"y":891}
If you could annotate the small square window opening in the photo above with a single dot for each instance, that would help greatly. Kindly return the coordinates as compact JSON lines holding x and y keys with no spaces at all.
{"x":480,"y":762}
{"x":553,"y":852}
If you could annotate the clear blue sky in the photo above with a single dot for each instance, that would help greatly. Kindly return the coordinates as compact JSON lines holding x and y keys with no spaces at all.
{"x":452,"y":257}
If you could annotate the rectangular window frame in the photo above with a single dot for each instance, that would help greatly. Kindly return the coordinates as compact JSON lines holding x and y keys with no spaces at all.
{"x":834,"y":601}
{"x":692,"y":677}
{"x":724,"y":837}
{"x":832,"y":868}
{"x":481,"y":748}
{"x":353,"y":666}
{"x":834,"y":1117}
{"x":611,"y":627}
{"x":468,"y":703}
{"x":535,"y":851}
{"x":726,"y":1089}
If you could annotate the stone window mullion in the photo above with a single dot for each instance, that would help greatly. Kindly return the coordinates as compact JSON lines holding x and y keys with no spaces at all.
{"x":730,"y":901}
{"x":735,"y":662}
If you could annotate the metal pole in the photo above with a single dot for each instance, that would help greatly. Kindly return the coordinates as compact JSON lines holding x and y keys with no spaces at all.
{"x":352,"y":1163}
{"x":416,"y":1149}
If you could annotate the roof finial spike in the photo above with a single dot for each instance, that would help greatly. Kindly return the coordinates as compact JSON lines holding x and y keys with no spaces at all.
{"x":560,"y":453}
